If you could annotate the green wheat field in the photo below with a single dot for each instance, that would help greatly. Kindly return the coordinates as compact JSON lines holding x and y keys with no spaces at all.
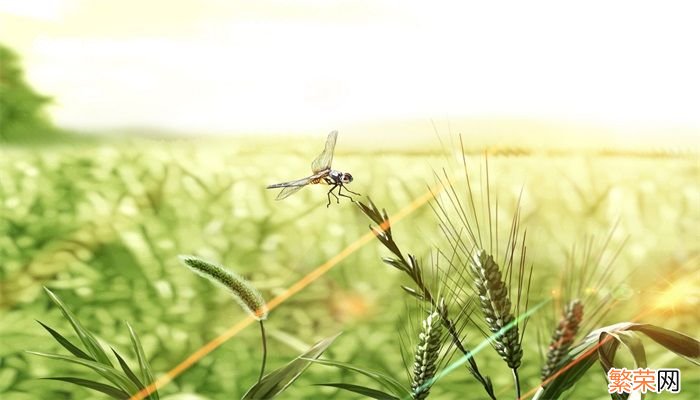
{"x":101,"y":223}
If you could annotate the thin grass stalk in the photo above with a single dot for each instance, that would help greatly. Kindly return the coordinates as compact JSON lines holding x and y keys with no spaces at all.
{"x":264,"y":350}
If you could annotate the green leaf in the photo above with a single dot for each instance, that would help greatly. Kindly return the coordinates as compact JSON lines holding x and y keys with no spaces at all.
{"x":577,"y":363}
{"x":606,"y":341}
{"x":66,"y":343}
{"x":109,"y":373}
{"x":290,"y":340}
{"x":369,"y":392}
{"x":386,"y":381}
{"x":89,"y":341}
{"x":398,"y":264}
{"x":278,"y":380}
{"x":129,"y":373}
{"x":681,"y":344}
{"x":633,"y":344}
{"x":413,"y":293}
{"x":608,"y":348}
{"x":146,"y":372}
{"x":110,"y":391}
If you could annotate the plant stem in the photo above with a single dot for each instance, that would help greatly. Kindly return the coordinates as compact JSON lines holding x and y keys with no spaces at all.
{"x":472,"y":363}
{"x":447,"y":323}
{"x":264,"y":347}
{"x":411,"y":268}
{"x":516,"y":380}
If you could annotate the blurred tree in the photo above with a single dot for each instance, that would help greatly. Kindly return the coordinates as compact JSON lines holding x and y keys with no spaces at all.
{"x":21,"y":108}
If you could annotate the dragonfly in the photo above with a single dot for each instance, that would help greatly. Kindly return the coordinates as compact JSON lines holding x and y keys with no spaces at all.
{"x":321,"y":173}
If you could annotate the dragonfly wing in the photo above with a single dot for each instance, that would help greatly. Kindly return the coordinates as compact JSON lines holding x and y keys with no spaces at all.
{"x":288,"y":191}
{"x":291,"y":187}
{"x":323,"y":161}
{"x":299,"y":182}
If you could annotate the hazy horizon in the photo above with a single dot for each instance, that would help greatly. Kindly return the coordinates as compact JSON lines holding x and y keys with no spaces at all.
{"x":308,"y":67}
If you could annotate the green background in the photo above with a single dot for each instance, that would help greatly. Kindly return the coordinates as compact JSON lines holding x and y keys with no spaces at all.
{"x":101,"y":223}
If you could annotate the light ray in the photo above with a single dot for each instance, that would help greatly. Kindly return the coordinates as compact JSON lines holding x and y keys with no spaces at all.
{"x":484,"y":343}
{"x":275,"y":302}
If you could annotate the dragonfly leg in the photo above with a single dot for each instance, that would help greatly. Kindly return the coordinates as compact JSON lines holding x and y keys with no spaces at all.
{"x":340,"y":193}
{"x":330,"y":192}
{"x":348,"y":190}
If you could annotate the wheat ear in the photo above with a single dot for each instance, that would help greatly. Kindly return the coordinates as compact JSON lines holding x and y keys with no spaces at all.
{"x":427,"y":352}
{"x":411,"y":267}
{"x":563,"y":337}
{"x":496,"y":306}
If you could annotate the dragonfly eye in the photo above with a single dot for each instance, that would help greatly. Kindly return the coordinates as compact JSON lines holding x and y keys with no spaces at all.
{"x":347,"y":178}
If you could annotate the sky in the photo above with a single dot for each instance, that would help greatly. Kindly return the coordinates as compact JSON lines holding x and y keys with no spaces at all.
{"x":221,"y":66}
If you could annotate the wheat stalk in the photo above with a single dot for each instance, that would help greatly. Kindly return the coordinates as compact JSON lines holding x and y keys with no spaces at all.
{"x":587,"y":272}
{"x":563,"y":337}
{"x":469,"y":220}
{"x":410,"y":266}
{"x":426,"y":356}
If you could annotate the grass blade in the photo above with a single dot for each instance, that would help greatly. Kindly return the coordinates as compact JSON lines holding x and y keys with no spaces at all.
{"x":413,"y":293}
{"x":146,"y":373}
{"x":88,"y":339}
{"x":129,"y":373}
{"x":562,"y":381}
{"x":632,"y":343}
{"x":365,"y":391}
{"x":606,"y":340}
{"x":681,"y":344}
{"x":109,"y":373}
{"x":66,"y":343}
{"x":110,"y":391}
{"x":386,"y":381}
{"x":278,"y":380}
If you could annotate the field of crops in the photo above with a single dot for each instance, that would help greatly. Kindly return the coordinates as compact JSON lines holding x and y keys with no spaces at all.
{"x":101,"y":224}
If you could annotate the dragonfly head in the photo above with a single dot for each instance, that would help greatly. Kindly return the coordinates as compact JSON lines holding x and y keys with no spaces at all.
{"x":346,"y":177}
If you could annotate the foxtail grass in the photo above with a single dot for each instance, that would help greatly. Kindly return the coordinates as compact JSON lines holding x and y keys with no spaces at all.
{"x":245,"y":294}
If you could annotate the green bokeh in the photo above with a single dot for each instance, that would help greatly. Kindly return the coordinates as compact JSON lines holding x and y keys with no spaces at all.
{"x":101,"y":224}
